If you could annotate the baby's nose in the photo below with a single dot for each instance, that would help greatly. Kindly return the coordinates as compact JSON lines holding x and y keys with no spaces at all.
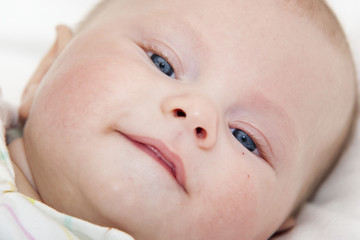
{"x":198,"y":115}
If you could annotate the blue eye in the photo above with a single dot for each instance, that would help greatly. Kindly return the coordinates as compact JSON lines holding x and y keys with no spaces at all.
{"x":245,"y":140}
{"x":162,"y":65}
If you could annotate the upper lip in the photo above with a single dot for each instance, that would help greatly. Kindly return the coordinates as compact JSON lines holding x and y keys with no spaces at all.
{"x":158,"y":150}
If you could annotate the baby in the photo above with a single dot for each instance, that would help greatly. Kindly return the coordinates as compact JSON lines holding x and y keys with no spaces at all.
{"x":186,"y":119}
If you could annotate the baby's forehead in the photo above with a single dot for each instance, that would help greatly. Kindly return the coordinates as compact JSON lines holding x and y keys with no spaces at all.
{"x":214,"y":15}
{"x":316,"y":10}
{"x":226,"y":13}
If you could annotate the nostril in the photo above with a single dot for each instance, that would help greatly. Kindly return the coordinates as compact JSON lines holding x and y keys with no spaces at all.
{"x":200,"y":132}
{"x":179,"y":113}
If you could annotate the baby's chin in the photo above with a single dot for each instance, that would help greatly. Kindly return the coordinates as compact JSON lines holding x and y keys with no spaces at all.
{"x":197,"y":230}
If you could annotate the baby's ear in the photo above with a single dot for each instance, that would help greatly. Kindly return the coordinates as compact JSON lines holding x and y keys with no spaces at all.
{"x":64,"y":35}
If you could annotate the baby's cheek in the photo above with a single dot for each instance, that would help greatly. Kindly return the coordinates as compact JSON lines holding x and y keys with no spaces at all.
{"x":229,"y":211}
{"x":273,"y":203}
{"x":68,"y":97}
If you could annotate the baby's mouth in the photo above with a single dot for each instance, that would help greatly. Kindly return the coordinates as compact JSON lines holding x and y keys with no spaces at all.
{"x":169,"y":165}
{"x":159,"y":151}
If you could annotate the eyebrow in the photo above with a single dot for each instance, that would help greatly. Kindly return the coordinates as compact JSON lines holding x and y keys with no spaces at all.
{"x":265,"y":106}
{"x":197,"y":37}
{"x":187,"y":29}
{"x":268,"y":105}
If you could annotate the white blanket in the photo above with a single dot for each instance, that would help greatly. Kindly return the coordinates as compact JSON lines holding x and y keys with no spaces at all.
{"x":27,"y":29}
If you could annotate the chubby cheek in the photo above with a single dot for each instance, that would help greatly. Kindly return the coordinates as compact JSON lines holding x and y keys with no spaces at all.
{"x":230,"y":210}
{"x":245,"y":199}
{"x":72,"y":97}
{"x":73,"y":107}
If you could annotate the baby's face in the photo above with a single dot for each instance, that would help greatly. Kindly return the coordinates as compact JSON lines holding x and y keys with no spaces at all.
{"x":177,"y":122}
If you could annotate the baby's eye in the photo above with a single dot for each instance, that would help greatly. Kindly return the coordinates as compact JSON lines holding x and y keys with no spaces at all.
{"x":245,"y":140}
{"x":162,"y":65}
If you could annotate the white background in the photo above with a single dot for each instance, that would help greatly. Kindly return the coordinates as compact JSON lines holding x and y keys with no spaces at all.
{"x":27,"y":29}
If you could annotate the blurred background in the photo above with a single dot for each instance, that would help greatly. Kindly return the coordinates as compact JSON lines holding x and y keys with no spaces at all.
{"x":27,"y":30}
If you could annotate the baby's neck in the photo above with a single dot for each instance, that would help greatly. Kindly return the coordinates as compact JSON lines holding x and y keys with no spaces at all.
{"x":23,"y":177}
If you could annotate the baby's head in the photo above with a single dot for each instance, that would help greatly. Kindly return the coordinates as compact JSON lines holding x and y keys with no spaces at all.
{"x":179,"y":120}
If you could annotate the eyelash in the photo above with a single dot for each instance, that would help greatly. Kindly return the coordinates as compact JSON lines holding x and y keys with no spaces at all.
{"x":260,"y":144}
{"x":155,"y":49}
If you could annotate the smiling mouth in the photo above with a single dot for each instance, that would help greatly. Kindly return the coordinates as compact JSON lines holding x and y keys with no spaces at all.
{"x":169,"y":165}
{"x":158,"y":151}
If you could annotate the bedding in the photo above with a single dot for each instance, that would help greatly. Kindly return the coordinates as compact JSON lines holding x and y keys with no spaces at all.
{"x":333,"y":212}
